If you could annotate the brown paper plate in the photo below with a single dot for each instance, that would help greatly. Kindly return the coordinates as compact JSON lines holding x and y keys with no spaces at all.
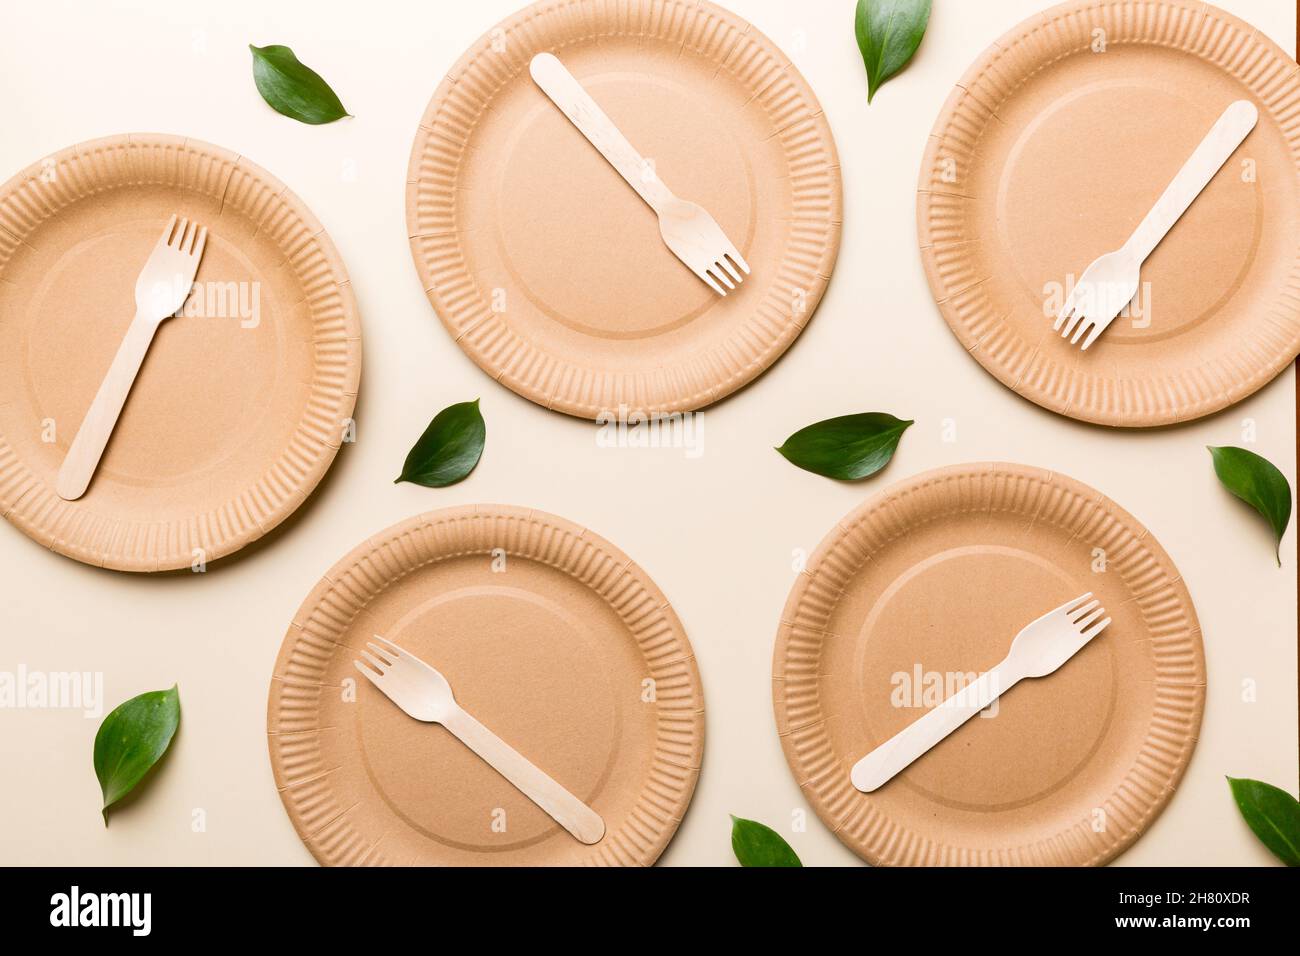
{"x":550,"y":272}
{"x":927,"y":584}
{"x":549,"y":635}
{"x":242,"y":402}
{"x":1051,"y":150}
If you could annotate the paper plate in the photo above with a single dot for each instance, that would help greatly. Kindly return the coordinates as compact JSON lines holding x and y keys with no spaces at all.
{"x":549,"y":270}
{"x":549,"y":635}
{"x":242,"y":402}
{"x":1051,"y":150}
{"x":925,"y":586}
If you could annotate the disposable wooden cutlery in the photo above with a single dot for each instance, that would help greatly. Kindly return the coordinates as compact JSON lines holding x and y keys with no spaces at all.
{"x":687,"y":229}
{"x":424,"y":694}
{"x":1110,"y":283}
{"x":161,"y":289}
{"x":1037,"y":651}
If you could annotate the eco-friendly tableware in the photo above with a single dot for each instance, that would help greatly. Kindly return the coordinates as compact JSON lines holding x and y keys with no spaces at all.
{"x":550,"y":635}
{"x":687,"y":228}
{"x":1050,"y":149}
{"x":160,"y":290}
{"x":1110,"y":283}
{"x":912,"y":596}
{"x":1038,"y":650}
{"x":548,"y":270}
{"x":247,"y":394}
{"x":424,"y":694}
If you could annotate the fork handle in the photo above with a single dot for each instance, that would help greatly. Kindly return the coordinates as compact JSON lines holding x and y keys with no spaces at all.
{"x":1219,"y":144}
{"x":576,"y":103}
{"x":92,"y":437}
{"x":566,"y":809}
{"x":898,"y":752}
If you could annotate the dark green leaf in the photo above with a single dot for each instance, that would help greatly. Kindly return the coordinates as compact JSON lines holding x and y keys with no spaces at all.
{"x":132,"y":739}
{"x":888,"y":31}
{"x":292,"y":88}
{"x":1273,"y":814}
{"x":848,"y":448}
{"x":757,"y":845}
{"x":449,"y":448}
{"x":1257,"y":482}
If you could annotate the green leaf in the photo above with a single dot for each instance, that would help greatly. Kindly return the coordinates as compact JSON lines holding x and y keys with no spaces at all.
{"x":757,"y":845}
{"x":449,"y":448}
{"x":1257,"y":482}
{"x":1273,"y":814}
{"x":292,"y":88}
{"x":847,"y":448}
{"x":888,"y":31}
{"x":132,"y":739}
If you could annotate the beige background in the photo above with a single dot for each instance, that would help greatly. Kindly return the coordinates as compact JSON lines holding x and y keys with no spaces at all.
{"x":718,"y":533}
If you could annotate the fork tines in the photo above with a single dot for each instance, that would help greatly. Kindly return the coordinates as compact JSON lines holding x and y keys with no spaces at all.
{"x":1084,"y":614}
{"x":383,"y":657}
{"x":184,"y":236}
{"x":725,"y":271}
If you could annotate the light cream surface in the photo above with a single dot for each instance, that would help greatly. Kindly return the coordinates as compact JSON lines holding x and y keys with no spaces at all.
{"x":720,"y":533}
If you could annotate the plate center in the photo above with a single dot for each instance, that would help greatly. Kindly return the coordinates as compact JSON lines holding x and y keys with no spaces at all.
{"x":209,"y":374}
{"x":533,"y":674}
{"x":1086,"y":170}
{"x":937,"y":627}
{"x":582,"y":245}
